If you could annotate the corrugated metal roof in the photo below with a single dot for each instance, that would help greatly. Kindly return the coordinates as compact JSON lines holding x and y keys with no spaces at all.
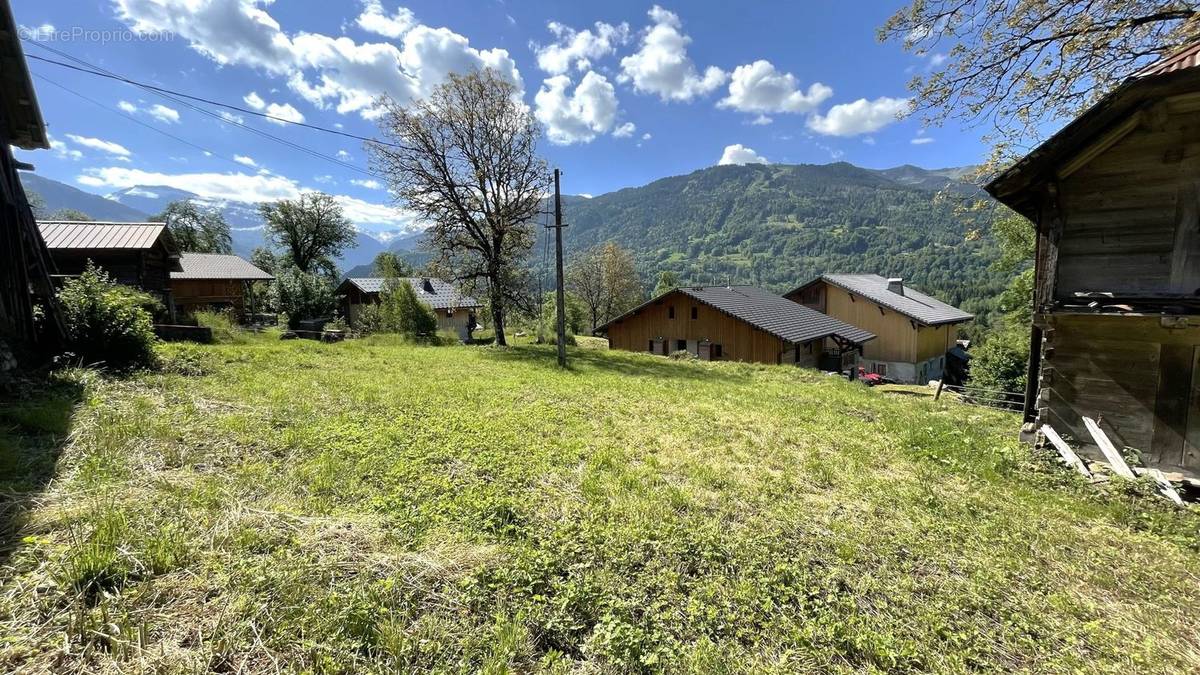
{"x":218,"y":266}
{"x":436,"y":293}
{"x":68,"y":234}
{"x":912,"y":303}
{"x":765,"y":310}
{"x":1188,"y":57}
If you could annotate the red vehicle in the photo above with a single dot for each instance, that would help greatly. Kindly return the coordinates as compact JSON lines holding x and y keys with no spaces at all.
{"x":870,"y":379}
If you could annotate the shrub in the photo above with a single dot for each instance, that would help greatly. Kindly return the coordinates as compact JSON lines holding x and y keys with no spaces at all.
{"x":399,"y":311}
{"x":106,"y":322}
{"x":303,"y":296}
{"x":570,"y":339}
{"x":1000,"y":363}
{"x":222,"y":325}
{"x":683,"y":355}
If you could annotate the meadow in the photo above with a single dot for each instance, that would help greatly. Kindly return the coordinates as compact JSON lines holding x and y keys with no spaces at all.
{"x":376,"y":506}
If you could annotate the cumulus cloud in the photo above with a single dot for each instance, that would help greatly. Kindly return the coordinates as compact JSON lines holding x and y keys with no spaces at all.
{"x":158,"y":111}
{"x":286,"y":112}
{"x":368,"y":183}
{"x":577,"y":49}
{"x":243,"y":159}
{"x":61,"y":150}
{"x":759,"y":88}
{"x":326,"y":71}
{"x":127,"y":106}
{"x":921,"y":140}
{"x":860,"y":117}
{"x":580,"y":116}
{"x":740,"y":154}
{"x":375,"y":20}
{"x":100,"y":144}
{"x":662,"y":66}
{"x":231,"y":117}
{"x":625,"y":130}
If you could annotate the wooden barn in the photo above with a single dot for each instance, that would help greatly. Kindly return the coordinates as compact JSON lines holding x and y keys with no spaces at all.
{"x":214,"y":281}
{"x":25,"y":264}
{"x":141,"y":255}
{"x":1115,"y":198}
{"x":454,"y":311}
{"x":734,"y":323}
{"x":913,"y":331}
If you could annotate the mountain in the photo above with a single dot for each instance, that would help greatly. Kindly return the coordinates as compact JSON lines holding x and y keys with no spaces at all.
{"x":59,"y":196}
{"x":780,"y":225}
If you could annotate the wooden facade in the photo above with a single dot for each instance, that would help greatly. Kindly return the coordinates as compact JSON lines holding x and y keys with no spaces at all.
{"x":147,"y":269}
{"x":677,"y":322}
{"x":191,"y":295}
{"x":1115,"y":198}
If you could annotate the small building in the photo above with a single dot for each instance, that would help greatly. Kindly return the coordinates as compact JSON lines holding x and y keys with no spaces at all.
{"x":141,"y":255}
{"x":734,"y":323}
{"x":1115,"y":200}
{"x":214,"y":281}
{"x":455,"y":311}
{"x":914,"y":331}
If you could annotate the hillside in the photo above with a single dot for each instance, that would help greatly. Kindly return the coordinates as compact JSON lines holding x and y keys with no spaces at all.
{"x":59,"y":196}
{"x":780,"y":225}
{"x":308,"y":507}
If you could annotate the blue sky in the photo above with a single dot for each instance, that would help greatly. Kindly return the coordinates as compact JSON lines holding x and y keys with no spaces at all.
{"x":629,"y":91}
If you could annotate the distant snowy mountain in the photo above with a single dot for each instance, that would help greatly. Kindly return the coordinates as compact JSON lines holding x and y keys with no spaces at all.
{"x":58,"y":196}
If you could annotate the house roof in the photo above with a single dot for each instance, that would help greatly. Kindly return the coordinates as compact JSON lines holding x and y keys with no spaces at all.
{"x":218,"y":266}
{"x":1117,"y":111}
{"x":762,"y":309}
{"x":70,"y":234}
{"x":436,"y":293}
{"x":912,"y":303}
{"x":22,"y":116}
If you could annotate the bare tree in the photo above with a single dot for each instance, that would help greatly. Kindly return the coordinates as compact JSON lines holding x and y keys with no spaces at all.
{"x":1021,"y":65}
{"x":605,"y":279}
{"x":465,"y":159}
{"x":311,"y":229}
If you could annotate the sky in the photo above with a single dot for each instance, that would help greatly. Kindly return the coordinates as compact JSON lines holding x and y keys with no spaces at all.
{"x":628,"y":92}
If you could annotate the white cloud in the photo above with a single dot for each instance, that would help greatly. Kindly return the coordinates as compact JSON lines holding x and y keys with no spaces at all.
{"x":100,"y":144}
{"x":61,"y":150}
{"x":127,"y":106}
{"x":254,"y":100}
{"x":243,"y":159}
{"x":646,"y":136}
{"x":759,"y":88}
{"x":860,"y":117}
{"x":162,"y":113}
{"x":375,"y":20}
{"x":921,"y":140}
{"x":230,"y":117}
{"x":661,"y":66}
{"x":324,"y":70}
{"x":572,"y":48}
{"x":368,"y":183}
{"x":761,"y":121}
{"x":740,"y":154}
{"x":580,"y":116}
{"x":343,"y":155}
{"x":625,"y":130}
{"x":869,"y":140}
{"x":283,"y":111}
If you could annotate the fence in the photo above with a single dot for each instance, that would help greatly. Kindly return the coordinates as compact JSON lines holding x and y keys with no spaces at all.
{"x":991,"y":398}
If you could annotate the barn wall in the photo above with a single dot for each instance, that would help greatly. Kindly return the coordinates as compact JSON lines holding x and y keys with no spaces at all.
{"x":193,"y":294}
{"x":895,"y":340}
{"x":739,"y":340}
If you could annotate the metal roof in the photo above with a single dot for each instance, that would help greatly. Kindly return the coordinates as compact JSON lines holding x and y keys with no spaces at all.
{"x":22,"y":116}
{"x":762,"y":309}
{"x":218,"y":266}
{"x":911,"y":303}
{"x":70,"y":234}
{"x":436,"y":293}
{"x":1188,"y":57}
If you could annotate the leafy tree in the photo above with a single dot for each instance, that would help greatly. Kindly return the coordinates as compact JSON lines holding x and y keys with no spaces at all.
{"x":196,"y":230}
{"x":107,"y":323}
{"x":303,"y":295}
{"x":1020,"y":65}
{"x":465,"y":159}
{"x":605,"y":279}
{"x":37,"y":204}
{"x":311,"y":230}
{"x":70,"y":214}
{"x":576,"y":311}
{"x":667,"y":281}
{"x":389,"y":265}
{"x":265,"y":259}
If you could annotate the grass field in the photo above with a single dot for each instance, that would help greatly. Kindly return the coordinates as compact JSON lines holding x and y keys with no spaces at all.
{"x":375,"y":506}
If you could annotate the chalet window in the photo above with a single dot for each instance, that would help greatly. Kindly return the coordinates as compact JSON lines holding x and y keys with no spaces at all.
{"x":695,"y":313}
{"x":715,"y":352}
{"x":681,"y":345}
{"x":671,"y":312}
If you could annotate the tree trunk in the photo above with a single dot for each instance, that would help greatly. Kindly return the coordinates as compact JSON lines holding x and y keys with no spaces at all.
{"x":497,"y":300}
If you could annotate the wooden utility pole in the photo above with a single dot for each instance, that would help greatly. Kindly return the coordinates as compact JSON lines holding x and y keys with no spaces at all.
{"x":560,"y":300}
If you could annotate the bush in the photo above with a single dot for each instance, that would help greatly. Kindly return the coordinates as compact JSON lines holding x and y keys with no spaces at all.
{"x":1000,"y":363}
{"x":222,"y":325}
{"x":683,"y":355}
{"x":570,"y":339}
{"x":303,"y":296}
{"x":399,"y":311}
{"x":106,"y":322}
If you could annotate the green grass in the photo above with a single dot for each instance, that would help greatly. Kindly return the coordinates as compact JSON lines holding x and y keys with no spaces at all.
{"x":377,"y":506}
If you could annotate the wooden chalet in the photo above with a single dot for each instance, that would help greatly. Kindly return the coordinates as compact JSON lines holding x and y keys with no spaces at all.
{"x":25,"y":264}
{"x":141,"y":255}
{"x":214,"y":281}
{"x":1115,"y":199}
{"x":734,"y":323}
{"x":913,"y":331}
{"x":454,"y":311}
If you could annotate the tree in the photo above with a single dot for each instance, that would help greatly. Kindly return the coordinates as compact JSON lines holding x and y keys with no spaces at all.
{"x":196,"y":230}
{"x":667,"y":281}
{"x":605,"y":279}
{"x":37,"y":204}
{"x":389,"y":265}
{"x":1020,"y":65}
{"x":311,"y":229}
{"x":303,"y":295}
{"x":70,"y":214}
{"x":465,"y":160}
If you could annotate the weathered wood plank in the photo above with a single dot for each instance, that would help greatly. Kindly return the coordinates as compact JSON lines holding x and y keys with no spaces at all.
{"x":1072,"y":460}
{"x":1114,"y":458}
{"x":1185,"y":256}
{"x":1171,"y":403}
{"x":1165,"y":488}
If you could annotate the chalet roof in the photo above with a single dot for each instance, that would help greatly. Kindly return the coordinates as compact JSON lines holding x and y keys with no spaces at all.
{"x":911,"y":302}
{"x":436,"y":293}
{"x":22,"y":116}
{"x":1116,"y":111}
{"x":85,"y":235}
{"x":764,"y":310}
{"x":218,"y":266}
